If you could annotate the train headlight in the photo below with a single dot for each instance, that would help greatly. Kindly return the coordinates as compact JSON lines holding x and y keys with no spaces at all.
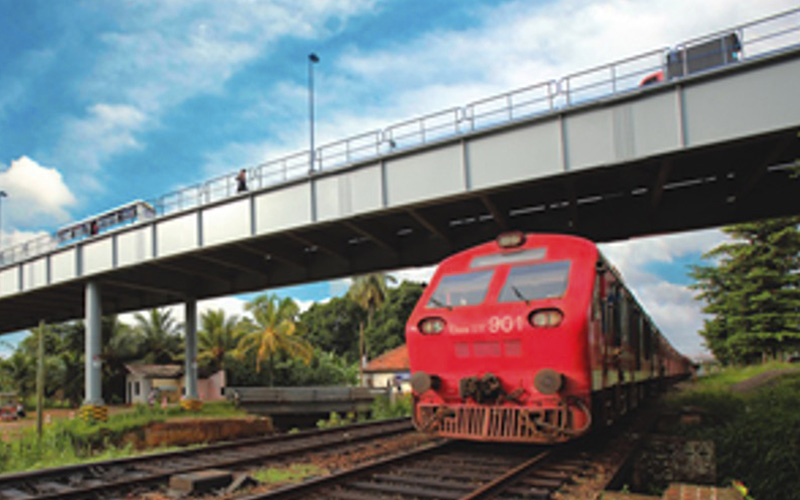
{"x":512,"y":239}
{"x":546,"y":318}
{"x":431,"y":326}
{"x":548,"y":381}
{"x":422,"y":382}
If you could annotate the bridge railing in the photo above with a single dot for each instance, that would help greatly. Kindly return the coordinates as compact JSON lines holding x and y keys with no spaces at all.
{"x":772,"y":34}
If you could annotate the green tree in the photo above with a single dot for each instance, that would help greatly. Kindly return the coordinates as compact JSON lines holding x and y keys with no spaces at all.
{"x":219,"y":337}
{"x":752,"y":293}
{"x":332,"y":326}
{"x":369,"y":292}
{"x":159,"y":336}
{"x":121,"y":344}
{"x":273,"y":330}
{"x":388,"y":329}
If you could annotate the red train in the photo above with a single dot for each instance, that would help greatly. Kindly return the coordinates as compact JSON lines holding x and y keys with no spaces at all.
{"x":531,"y":338}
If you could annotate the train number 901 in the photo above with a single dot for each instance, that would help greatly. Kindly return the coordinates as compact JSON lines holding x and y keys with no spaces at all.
{"x":505,"y":324}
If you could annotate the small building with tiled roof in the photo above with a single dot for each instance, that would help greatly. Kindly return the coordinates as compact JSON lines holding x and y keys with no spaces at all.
{"x":390,"y":369}
{"x":167,"y":381}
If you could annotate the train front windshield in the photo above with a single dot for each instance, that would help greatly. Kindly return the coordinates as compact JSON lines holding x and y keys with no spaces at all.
{"x":467,"y":289}
{"x":538,"y":281}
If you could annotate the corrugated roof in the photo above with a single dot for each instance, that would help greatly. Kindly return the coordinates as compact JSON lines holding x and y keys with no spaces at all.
{"x":395,"y":360}
{"x":156,"y":371}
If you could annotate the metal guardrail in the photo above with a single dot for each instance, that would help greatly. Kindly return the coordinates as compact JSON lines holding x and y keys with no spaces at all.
{"x":765,"y":36}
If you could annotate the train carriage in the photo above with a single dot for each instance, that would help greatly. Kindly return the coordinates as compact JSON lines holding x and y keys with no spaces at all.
{"x":530,"y":338}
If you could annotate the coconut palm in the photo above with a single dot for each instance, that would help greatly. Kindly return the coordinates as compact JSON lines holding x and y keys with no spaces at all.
{"x":218,"y":336}
{"x":273,"y":330}
{"x":160,"y":336}
{"x":368,"y":291}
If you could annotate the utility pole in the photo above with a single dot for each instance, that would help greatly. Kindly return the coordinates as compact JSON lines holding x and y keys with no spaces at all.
{"x":40,"y":382}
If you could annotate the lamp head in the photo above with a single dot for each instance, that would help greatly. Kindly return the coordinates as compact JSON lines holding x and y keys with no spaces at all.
{"x":313,"y":58}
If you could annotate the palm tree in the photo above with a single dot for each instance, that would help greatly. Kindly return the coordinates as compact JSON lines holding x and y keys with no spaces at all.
{"x":368,"y":291}
{"x":217,"y":337}
{"x":160,"y":336}
{"x":272,"y":331}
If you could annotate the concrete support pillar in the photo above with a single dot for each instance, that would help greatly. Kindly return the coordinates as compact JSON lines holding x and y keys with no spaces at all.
{"x":190,"y":368}
{"x":94,"y":391}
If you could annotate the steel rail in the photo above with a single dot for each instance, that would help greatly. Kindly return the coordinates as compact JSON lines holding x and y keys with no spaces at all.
{"x":489,"y":489}
{"x":307,"y":487}
{"x":156,"y":468}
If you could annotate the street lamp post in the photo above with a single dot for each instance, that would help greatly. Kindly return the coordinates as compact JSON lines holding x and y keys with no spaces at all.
{"x":312,"y":59}
{"x":2,"y":195}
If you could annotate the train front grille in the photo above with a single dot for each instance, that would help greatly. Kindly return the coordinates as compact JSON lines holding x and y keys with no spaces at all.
{"x":495,"y":423}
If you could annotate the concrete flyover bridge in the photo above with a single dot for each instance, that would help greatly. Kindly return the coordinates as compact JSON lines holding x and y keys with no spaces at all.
{"x":712,"y":141}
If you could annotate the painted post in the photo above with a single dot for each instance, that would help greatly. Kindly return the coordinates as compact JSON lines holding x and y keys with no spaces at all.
{"x":93,"y":406}
{"x":40,"y":382}
{"x":191,"y":401}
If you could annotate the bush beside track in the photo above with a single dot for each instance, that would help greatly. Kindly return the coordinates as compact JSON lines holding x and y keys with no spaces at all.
{"x":756,"y":431}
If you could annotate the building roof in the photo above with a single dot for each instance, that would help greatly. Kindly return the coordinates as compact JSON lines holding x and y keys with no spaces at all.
{"x":155,"y":371}
{"x":395,"y":360}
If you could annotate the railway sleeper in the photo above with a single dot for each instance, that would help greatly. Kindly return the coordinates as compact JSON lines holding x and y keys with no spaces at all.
{"x":543,"y":482}
{"x":525,"y":492}
{"x":452,"y":474}
{"x":436,"y":492}
{"x":453,"y":485}
{"x":554,"y":474}
{"x":52,"y":487}
{"x":340,"y":494}
{"x":15,"y":494}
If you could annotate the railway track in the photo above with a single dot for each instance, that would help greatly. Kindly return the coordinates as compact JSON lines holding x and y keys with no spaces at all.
{"x":466,"y":470}
{"x":113,"y":478}
{"x":449,"y":471}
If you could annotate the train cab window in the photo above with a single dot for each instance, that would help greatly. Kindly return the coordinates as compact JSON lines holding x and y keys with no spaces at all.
{"x":536,"y":281}
{"x":467,"y":289}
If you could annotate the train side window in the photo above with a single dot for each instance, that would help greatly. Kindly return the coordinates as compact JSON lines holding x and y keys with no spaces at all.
{"x":625,"y":319}
{"x":597,"y":308}
{"x":613,"y":307}
{"x":466,"y":289}
{"x":648,"y":340}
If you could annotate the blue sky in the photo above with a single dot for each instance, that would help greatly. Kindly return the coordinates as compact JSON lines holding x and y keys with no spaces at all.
{"x":104,"y":102}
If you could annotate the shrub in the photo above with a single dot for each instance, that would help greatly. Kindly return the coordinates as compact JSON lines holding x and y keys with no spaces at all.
{"x":756,"y":435}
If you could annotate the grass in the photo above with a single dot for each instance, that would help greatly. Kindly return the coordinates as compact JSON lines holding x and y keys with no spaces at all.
{"x":723,"y":378}
{"x":382,"y":408}
{"x":71,"y":441}
{"x":294,"y":473}
{"x":756,"y":434}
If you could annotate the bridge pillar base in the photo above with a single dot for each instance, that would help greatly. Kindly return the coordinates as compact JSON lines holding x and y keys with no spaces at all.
{"x":93,"y":413}
{"x":191,"y":404}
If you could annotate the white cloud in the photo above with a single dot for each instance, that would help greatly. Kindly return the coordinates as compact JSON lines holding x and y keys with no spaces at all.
{"x":632,"y":256}
{"x":36,"y":194}
{"x":672,"y":306}
{"x":105,"y":131}
{"x":415,"y":274}
{"x":523,"y":43}
{"x":165,"y":53}
{"x":513,"y":45}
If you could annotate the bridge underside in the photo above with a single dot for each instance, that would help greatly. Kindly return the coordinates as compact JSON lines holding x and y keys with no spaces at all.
{"x":692,"y":189}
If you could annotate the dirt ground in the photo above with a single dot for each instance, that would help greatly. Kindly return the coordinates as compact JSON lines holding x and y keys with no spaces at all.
{"x":762,"y":379}
{"x":12,"y":429}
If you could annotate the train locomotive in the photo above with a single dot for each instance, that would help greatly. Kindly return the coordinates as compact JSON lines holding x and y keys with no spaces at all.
{"x":531,"y":338}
